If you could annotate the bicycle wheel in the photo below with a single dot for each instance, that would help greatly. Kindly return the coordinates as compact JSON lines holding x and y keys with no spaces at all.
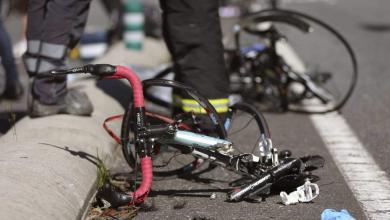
{"x":155,"y":99}
{"x":245,"y":120}
{"x":318,"y":62}
{"x":169,"y":160}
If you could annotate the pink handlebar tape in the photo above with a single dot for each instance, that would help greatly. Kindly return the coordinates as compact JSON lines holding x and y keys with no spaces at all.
{"x":135,"y":82}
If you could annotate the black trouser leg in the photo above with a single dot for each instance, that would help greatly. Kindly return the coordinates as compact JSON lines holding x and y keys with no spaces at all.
{"x":192,"y":32}
{"x":79,"y":24}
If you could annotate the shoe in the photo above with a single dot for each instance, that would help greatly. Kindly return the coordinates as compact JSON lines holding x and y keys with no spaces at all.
{"x":13,"y":90}
{"x":74,"y":102}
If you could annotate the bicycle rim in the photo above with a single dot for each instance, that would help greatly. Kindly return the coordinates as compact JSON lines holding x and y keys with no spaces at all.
{"x":350,"y":81}
{"x":246,"y":120}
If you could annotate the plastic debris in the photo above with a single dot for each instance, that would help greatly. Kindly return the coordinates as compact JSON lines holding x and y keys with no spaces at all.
{"x":331,"y":214}
{"x":305,"y":193}
{"x":213,"y":196}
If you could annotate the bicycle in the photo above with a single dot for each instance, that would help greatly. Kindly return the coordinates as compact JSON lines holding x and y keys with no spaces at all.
{"x":261,"y":72}
{"x":144,"y":133}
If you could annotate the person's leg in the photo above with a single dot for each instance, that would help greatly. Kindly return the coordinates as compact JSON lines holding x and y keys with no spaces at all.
{"x":49,"y":48}
{"x":36,"y":11}
{"x":35,"y":17}
{"x":193,"y":35}
{"x":13,"y":88}
{"x":7,"y":57}
{"x":55,"y":36}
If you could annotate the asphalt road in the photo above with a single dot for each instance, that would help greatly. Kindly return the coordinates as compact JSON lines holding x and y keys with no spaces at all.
{"x":366,"y":25}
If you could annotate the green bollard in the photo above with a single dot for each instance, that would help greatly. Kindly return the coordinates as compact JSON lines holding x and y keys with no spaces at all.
{"x":133,"y":20}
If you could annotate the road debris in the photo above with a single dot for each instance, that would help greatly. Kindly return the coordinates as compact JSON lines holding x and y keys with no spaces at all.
{"x":305,"y":193}
{"x":331,"y":214}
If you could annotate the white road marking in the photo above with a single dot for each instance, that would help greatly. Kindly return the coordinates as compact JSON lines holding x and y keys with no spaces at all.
{"x":368,"y":182}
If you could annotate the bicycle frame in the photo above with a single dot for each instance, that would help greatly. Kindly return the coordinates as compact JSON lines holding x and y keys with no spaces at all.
{"x":263,"y":171}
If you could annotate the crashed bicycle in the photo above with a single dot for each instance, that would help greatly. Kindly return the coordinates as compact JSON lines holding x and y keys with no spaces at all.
{"x":145,"y":136}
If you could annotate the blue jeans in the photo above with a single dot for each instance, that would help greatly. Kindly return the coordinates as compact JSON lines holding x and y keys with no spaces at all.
{"x":7,"y":57}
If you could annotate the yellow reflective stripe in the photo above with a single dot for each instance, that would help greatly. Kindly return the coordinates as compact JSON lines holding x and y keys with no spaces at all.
{"x":219,"y":101}
{"x":195,"y":110}
{"x":224,"y":101}
{"x":191,"y":105}
{"x":222,"y":109}
{"x":201,"y":110}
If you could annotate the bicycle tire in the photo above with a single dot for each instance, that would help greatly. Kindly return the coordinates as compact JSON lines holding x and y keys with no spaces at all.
{"x":301,"y":16}
{"x":129,"y":151}
{"x":253,"y":116}
{"x":156,"y":100}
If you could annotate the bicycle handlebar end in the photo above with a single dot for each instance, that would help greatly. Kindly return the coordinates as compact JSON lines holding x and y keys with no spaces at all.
{"x":100,"y":69}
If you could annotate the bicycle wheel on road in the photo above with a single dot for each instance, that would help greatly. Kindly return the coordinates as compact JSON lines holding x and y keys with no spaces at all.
{"x":315,"y":52}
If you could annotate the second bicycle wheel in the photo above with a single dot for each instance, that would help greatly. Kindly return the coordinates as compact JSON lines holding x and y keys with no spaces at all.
{"x":321,"y":65}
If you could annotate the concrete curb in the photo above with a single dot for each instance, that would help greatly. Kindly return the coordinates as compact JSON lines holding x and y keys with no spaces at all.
{"x":47,"y":164}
